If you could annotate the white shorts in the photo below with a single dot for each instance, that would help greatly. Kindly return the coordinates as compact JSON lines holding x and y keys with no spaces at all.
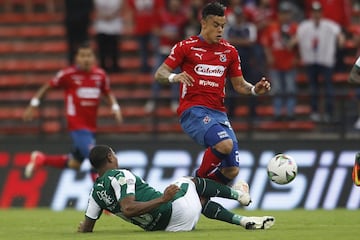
{"x":186,"y":210}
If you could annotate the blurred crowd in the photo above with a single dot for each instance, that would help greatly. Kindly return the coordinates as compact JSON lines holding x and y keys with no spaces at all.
{"x":274,"y":38}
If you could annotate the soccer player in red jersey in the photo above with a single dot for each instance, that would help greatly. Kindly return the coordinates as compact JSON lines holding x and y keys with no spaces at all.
{"x":83,"y":83}
{"x":205,"y":61}
{"x":279,"y":44}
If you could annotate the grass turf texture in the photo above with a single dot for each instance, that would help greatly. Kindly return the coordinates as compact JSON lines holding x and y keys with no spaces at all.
{"x":16,"y":224}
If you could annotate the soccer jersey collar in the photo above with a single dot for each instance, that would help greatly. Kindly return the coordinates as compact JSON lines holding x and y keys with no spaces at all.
{"x":201,"y":38}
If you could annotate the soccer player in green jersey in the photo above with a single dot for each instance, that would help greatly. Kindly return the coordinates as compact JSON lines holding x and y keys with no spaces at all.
{"x":354,"y":77}
{"x":128,"y":196}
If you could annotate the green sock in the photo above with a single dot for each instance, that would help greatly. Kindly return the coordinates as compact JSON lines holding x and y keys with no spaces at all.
{"x":214,"y":210}
{"x":209,"y":188}
{"x":236,"y":219}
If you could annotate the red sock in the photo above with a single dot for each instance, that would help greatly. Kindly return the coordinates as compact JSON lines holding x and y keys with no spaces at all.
{"x":209,"y":162}
{"x":58,"y":161}
{"x":217,"y":176}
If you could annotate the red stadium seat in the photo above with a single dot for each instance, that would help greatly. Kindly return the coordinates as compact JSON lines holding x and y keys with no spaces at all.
{"x":38,"y":65}
{"x":18,"y":18}
{"x":286,"y":126}
{"x":32,"y":32}
{"x":31,"y":6}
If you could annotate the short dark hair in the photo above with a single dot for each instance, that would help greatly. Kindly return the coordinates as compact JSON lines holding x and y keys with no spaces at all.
{"x":98,"y":155}
{"x":213,"y":8}
{"x":84,"y":45}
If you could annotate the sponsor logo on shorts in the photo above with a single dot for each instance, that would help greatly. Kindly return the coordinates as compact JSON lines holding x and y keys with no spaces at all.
{"x":207,"y":119}
{"x":223,"y":134}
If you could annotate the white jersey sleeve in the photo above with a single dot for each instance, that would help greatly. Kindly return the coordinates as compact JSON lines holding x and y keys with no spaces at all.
{"x":93,"y":210}
{"x":357,"y":63}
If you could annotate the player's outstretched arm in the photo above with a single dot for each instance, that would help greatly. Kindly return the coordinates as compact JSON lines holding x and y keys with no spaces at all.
{"x":35,"y":102}
{"x":87,"y":225}
{"x":115,"y":107}
{"x":131,"y":208}
{"x":243,"y":87}
{"x":164,"y":75}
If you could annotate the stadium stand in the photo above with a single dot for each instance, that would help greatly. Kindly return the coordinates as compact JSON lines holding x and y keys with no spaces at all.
{"x":32,"y":49}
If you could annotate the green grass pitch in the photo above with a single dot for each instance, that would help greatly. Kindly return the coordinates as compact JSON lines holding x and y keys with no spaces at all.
{"x":18,"y":223}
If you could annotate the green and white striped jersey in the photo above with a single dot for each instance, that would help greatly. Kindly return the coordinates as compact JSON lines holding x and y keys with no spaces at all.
{"x":116,"y":184}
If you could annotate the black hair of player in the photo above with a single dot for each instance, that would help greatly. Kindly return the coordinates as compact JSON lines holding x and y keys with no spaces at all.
{"x":99,"y":155}
{"x":213,"y":8}
{"x":84,"y":45}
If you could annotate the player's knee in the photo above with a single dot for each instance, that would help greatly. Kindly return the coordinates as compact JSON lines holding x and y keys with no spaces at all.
{"x":74,"y":164}
{"x":79,"y":154}
{"x":230,"y":172}
{"x":225,"y":146}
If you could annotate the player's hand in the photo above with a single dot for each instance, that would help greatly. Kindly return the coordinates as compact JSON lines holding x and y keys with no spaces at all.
{"x":28,"y":114}
{"x":263,"y":86}
{"x":185,"y":78}
{"x":170,"y":192}
{"x":270,"y":60}
{"x":81,"y":227}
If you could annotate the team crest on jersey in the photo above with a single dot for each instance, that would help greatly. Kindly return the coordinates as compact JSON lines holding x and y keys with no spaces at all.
{"x":222,"y":58}
{"x":206,"y":119}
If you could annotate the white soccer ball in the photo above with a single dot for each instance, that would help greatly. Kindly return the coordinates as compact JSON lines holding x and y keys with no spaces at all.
{"x":282,"y":169}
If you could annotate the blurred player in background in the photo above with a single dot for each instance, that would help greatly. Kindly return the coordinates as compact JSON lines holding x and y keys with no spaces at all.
{"x":144,"y":15}
{"x":205,"y":61}
{"x":77,"y":21}
{"x":279,"y":44}
{"x":355,"y":78}
{"x":317,"y":39}
{"x":243,"y":36}
{"x":108,"y":26}
{"x":169,"y":29}
{"x":83,"y":84}
{"x":177,"y":209}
